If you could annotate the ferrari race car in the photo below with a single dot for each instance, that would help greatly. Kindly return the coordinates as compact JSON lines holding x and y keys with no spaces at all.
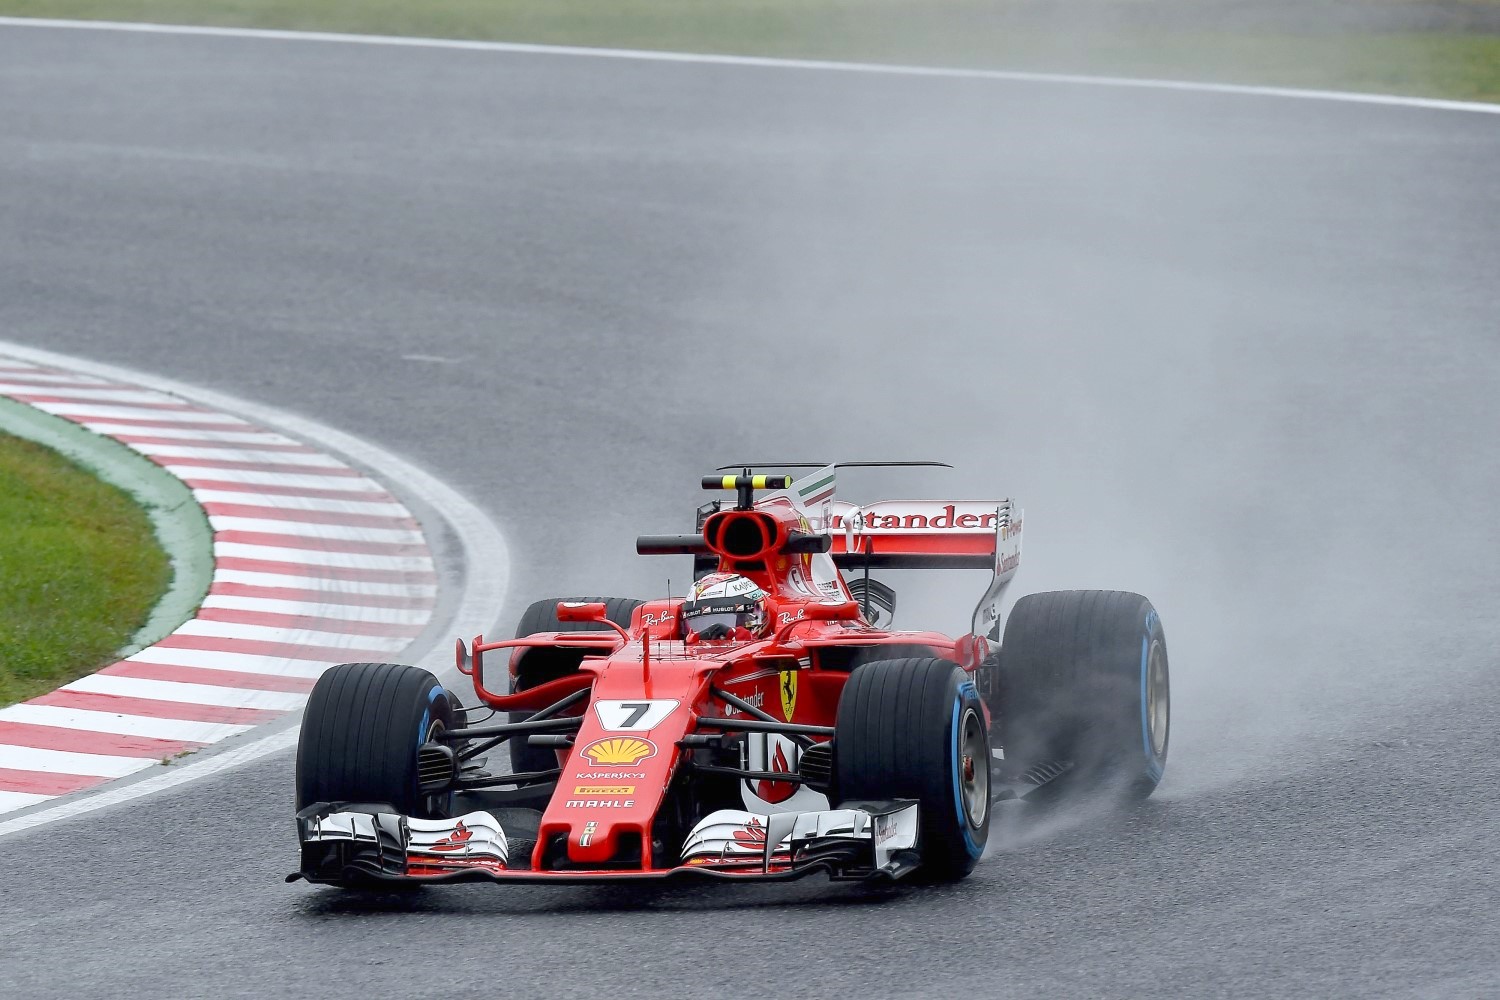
{"x":767,"y":725}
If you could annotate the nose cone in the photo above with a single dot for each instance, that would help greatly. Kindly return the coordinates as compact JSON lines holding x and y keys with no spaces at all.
{"x":622,"y":761}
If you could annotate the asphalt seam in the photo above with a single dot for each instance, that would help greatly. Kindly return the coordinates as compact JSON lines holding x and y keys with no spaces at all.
{"x":314,"y":563}
{"x":766,"y":62}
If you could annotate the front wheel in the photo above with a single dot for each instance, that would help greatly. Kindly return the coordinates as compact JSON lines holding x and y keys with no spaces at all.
{"x":914,"y":728}
{"x":360,"y":734}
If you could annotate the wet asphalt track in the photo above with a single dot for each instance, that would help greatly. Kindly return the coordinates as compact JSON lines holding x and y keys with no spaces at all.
{"x":1240,"y":354}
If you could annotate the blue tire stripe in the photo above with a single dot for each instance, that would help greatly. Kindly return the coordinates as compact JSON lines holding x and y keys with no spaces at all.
{"x":958,"y":795}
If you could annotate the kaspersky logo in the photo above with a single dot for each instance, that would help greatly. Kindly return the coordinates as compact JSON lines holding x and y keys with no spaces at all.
{"x":619,"y":751}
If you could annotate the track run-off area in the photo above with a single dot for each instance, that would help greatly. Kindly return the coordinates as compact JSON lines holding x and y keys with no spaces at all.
{"x":1232,"y":350}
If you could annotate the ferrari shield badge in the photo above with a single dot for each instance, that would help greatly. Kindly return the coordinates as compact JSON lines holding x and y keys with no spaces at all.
{"x":788,"y":693}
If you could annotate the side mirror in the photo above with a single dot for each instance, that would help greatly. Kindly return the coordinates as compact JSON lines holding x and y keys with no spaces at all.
{"x":462,"y":659}
{"x":589,"y":611}
{"x":580,"y":611}
{"x":832,"y":611}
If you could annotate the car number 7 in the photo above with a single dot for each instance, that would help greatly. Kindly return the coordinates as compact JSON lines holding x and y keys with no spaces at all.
{"x":633,"y":716}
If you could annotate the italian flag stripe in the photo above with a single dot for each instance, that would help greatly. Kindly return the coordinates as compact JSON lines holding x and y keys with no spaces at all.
{"x":815,"y":491}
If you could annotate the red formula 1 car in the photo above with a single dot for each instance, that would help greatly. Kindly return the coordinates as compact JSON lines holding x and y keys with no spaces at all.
{"x":765,"y":726}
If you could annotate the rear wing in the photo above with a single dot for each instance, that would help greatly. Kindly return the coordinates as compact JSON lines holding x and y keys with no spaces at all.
{"x":923,"y":534}
{"x":932,"y":534}
{"x":905,"y":534}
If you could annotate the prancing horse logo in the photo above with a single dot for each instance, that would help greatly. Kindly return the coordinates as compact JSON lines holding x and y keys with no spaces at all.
{"x":788,"y":693}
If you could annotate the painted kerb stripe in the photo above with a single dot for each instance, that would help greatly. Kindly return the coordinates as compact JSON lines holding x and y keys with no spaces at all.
{"x":229,"y":668}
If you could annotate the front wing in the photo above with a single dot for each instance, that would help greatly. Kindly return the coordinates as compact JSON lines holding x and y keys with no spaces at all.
{"x":352,"y":844}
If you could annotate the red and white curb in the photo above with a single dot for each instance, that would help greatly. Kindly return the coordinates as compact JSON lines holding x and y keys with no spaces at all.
{"x":315,"y":563}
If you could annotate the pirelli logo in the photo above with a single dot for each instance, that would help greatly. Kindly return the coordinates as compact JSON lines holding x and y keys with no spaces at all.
{"x":604,"y":790}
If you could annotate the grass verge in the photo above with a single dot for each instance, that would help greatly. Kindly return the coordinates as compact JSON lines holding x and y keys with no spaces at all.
{"x":1382,"y":53}
{"x":80,"y":570}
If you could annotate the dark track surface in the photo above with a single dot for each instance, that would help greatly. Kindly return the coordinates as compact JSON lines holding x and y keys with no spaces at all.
{"x":1239,"y":354}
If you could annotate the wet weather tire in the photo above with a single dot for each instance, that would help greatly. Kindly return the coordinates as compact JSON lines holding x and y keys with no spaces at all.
{"x":360,"y":734}
{"x":1082,"y":676}
{"x":541,"y":616}
{"x":914,"y":728}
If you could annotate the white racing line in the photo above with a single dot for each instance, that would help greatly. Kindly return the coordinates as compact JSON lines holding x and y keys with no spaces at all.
{"x":825,"y":65}
{"x":161,"y":672}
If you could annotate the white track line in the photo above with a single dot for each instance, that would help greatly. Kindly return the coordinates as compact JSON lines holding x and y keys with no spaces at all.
{"x":122,"y":725}
{"x":312,"y":557}
{"x":96,"y":765}
{"x":381,"y":508}
{"x":244,"y":663}
{"x":399,"y":536}
{"x":821,"y":65}
{"x":245,"y":437}
{"x":120,"y":413}
{"x":166,"y":452}
{"x":102,"y":394}
{"x":195,"y":694}
{"x":277,"y":633}
{"x":11,"y":801}
{"x":354,"y":613}
{"x":39,"y":375}
{"x":346,"y":484}
{"x":258,"y":578}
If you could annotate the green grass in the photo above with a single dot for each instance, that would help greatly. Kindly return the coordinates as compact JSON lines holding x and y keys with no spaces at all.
{"x":1100,"y":38}
{"x":80,"y":570}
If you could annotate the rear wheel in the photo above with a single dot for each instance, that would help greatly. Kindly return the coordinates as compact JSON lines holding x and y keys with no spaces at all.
{"x":540,"y":666}
{"x":1082,"y":677}
{"x":360,"y":734}
{"x":914,"y":728}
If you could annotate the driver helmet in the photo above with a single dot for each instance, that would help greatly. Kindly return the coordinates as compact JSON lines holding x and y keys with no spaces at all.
{"x":724,"y":606}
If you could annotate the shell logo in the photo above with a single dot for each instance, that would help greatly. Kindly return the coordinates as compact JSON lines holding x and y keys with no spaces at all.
{"x":619,"y":750}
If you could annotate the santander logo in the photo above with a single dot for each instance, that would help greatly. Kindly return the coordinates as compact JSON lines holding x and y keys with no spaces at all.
{"x":899,"y":516}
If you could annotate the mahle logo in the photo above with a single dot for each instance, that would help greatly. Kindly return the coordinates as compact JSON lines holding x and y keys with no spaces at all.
{"x":619,"y":751}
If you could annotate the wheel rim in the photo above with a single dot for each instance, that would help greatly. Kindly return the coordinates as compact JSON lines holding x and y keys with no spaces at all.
{"x":1157,"y":698}
{"x":974,"y":769}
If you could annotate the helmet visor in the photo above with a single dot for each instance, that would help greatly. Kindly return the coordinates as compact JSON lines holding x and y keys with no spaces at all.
{"x":700,"y":617}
